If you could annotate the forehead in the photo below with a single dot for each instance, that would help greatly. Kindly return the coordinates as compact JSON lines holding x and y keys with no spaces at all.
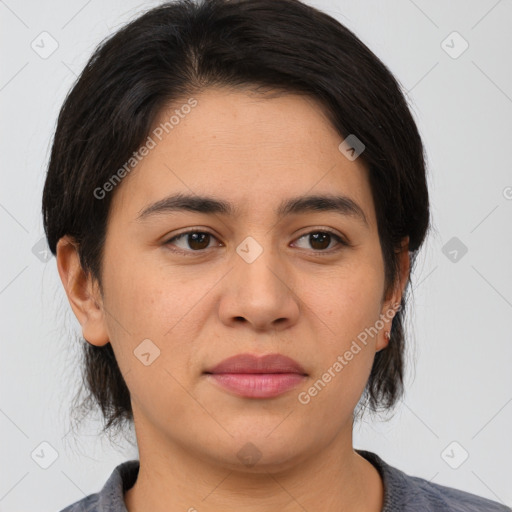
{"x":251,"y":150}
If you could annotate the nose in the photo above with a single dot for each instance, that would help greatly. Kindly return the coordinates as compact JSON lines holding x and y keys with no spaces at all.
{"x":260,"y":293}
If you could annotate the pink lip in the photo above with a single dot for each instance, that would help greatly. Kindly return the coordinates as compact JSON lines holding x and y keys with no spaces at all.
{"x":252,"y":376}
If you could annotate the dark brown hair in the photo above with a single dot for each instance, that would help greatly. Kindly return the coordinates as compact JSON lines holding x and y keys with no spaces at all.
{"x":177,"y":50}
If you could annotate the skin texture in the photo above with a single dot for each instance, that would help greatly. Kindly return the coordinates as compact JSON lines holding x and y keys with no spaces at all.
{"x":306,"y":301}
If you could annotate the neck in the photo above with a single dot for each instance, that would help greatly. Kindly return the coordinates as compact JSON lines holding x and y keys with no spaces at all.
{"x":332,"y":480}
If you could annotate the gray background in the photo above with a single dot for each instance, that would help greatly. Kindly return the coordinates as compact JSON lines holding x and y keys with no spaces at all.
{"x":460,"y":389}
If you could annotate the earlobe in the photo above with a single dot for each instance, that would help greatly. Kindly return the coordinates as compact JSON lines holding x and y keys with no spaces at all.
{"x":405,"y":265}
{"x":82,"y":293}
{"x":381,"y":345}
{"x":403,"y":277}
{"x":392,"y":305}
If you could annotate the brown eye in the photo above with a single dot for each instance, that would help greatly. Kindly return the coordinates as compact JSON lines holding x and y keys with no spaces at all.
{"x":321,"y":240}
{"x":197,"y":241}
{"x":192,"y":240}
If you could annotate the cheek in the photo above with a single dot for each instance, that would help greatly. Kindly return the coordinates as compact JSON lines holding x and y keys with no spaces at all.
{"x":349,"y":307}
{"x":345,"y":351}
{"x":146,"y":301}
{"x":143,"y":295}
{"x":350,"y":302}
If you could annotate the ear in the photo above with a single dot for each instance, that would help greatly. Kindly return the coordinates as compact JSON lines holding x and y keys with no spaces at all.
{"x":82,"y":291}
{"x":392,"y":303}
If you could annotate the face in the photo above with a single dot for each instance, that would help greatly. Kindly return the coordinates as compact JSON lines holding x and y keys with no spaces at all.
{"x":183,"y":289}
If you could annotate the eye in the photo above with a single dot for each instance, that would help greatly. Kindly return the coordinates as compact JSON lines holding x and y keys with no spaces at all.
{"x":321,"y":240}
{"x":192,"y":241}
{"x":197,"y":241}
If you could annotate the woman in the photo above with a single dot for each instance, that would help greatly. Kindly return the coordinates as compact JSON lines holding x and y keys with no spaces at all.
{"x":236,"y":197}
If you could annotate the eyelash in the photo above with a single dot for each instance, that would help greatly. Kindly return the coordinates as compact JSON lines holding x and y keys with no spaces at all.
{"x":342,"y":242}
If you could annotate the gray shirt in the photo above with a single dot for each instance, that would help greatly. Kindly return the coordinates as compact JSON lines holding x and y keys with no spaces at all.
{"x":402,"y":493}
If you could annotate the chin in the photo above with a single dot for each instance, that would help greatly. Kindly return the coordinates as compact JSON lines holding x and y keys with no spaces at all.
{"x":260,"y":453}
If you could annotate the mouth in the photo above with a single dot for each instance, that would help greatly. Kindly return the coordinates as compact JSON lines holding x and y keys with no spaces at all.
{"x":252,"y":376}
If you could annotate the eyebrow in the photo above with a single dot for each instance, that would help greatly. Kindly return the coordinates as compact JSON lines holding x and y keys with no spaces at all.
{"x":340,"y":204}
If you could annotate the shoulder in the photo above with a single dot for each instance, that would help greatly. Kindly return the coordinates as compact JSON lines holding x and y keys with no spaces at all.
{"x":87,"y":504}
{"x":440,"y":497}
{"x":405,"y":493}
{"x":110,"y":498}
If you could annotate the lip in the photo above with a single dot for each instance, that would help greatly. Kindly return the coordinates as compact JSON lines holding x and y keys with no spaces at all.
{"x":249,"y":363}
{"x":253,"y":376}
